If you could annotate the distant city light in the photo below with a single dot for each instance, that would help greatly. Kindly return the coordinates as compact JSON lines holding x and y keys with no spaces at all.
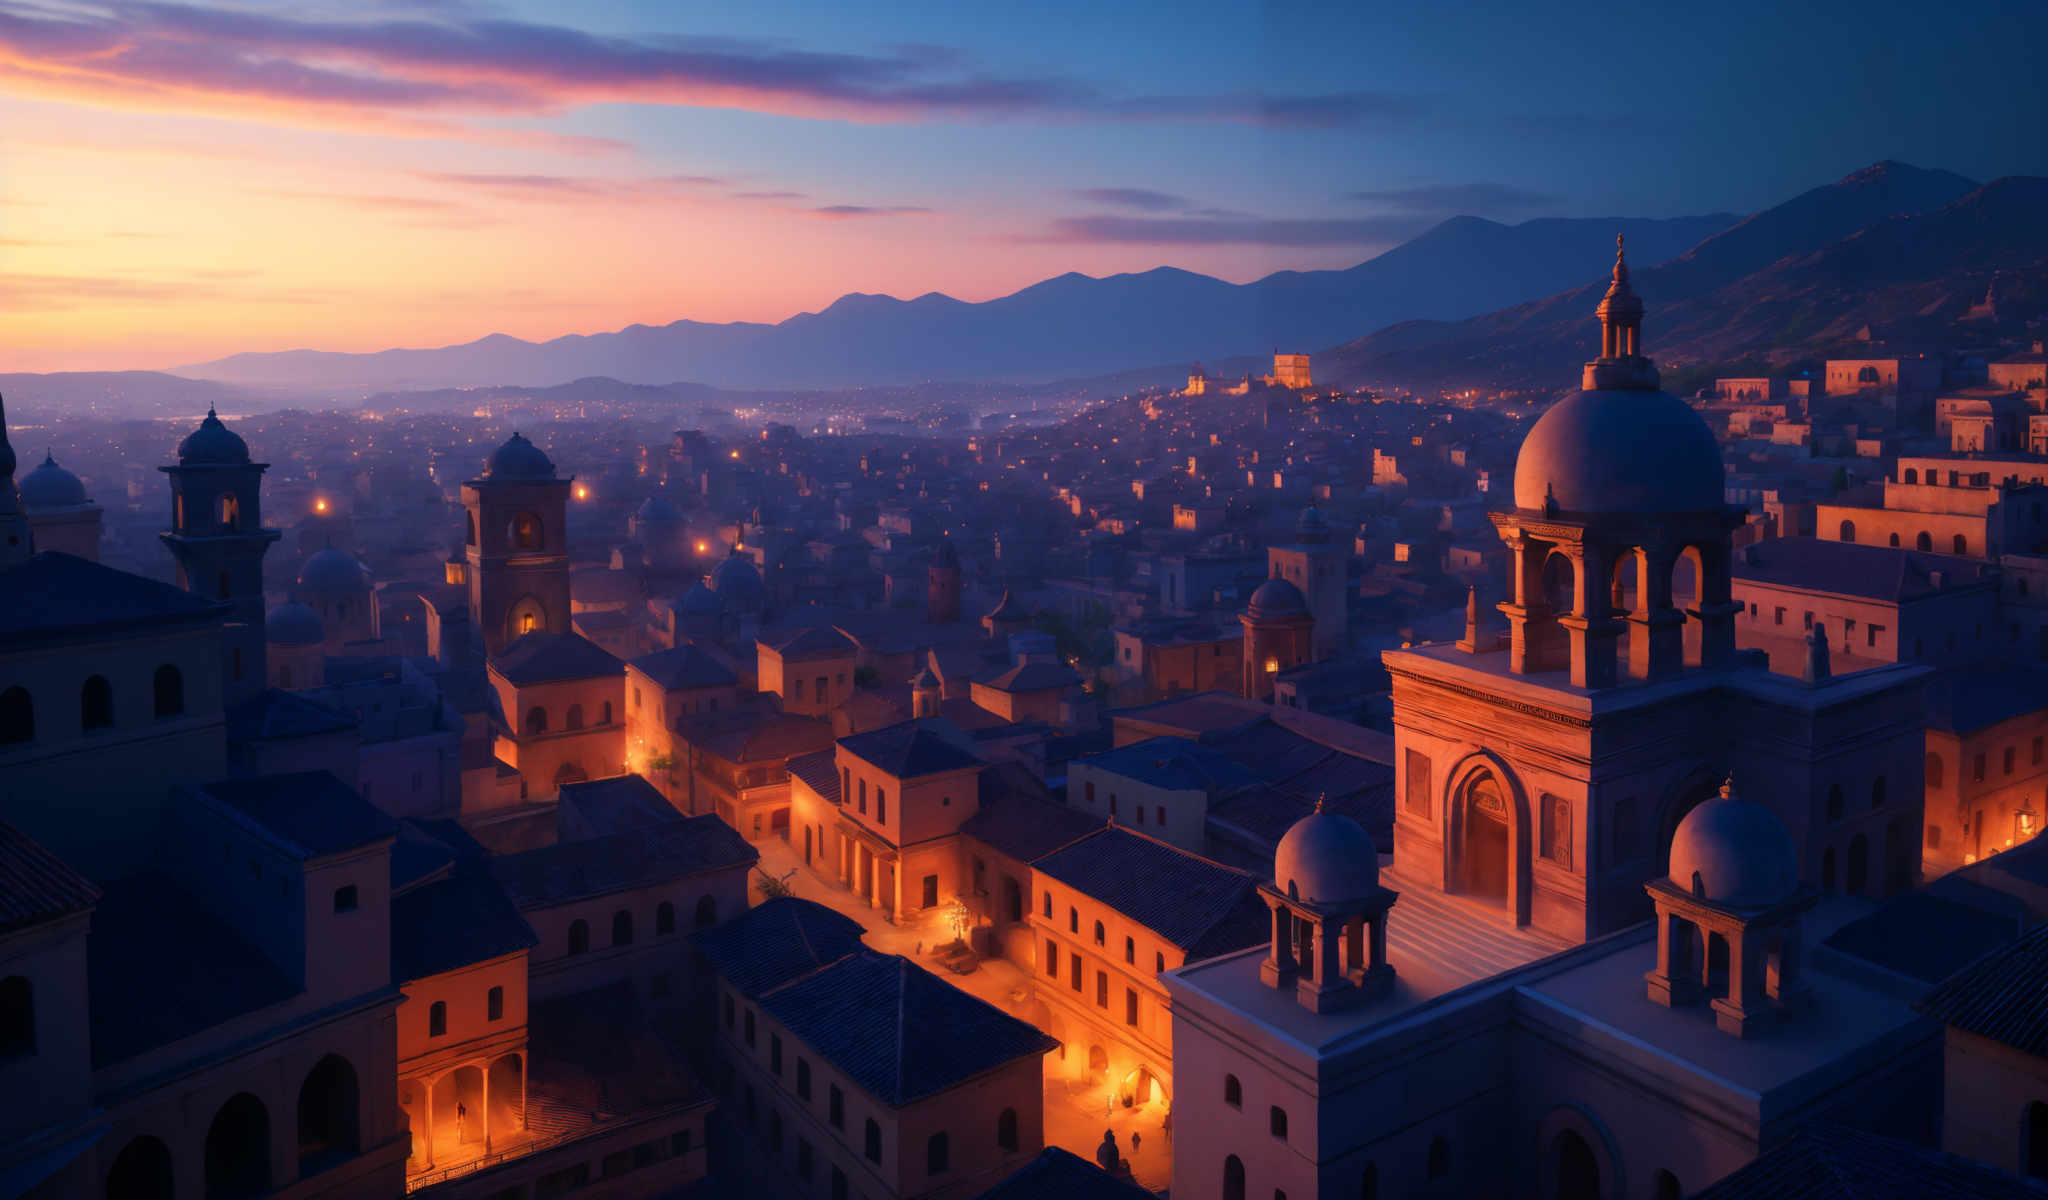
{"x":582,"y":493}
{"x":319,"y":506}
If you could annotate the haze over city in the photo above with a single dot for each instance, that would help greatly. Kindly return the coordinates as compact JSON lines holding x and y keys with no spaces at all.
{"x":1099,"y":602}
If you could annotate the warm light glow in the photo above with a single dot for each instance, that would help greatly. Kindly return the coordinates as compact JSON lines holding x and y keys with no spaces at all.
{"x":319,"y":506}
{"x":582,"y":493}
{"x":1272,"y":666}
{"x":735,"y":454}
{"x":702,"y":547}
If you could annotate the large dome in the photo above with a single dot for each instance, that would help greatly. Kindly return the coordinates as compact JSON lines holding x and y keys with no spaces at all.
{"x":702,"y":601}
{"x":335,"y":573}
{"x":658,"y":507}
{"x":51,"y":486}
{"x":293,"y":624}
{"x":213,"y":444}
{"x":519,"y":459}
{"x":1734,"y":852}
{"x":737,"y":579}
{"x":1277,"y":598}
{"x":1620,"y":451}
{"x":1327,"y":859}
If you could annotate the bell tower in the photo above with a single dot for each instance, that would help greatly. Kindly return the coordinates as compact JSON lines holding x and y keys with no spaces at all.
{"x":517,"y":545}
{"x":218,"y":538}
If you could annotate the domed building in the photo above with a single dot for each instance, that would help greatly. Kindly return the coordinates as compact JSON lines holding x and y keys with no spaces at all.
{"x":517,"y":544}
{"x":1329,"y":942}
{"x":659,"y":527}
{"x":218,"y":539}
{"x":296,"y":646}
{"x":338,"y":589}
{"x":738,"y":584}
{"x":1318,"y":563}
{"x":1279,"y":635}
{"x":60,"y":514}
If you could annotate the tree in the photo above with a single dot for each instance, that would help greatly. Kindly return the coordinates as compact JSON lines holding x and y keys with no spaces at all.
{"x":773,"y":888}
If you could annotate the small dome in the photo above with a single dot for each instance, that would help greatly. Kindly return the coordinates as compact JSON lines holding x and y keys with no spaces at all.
{"x":1312,"y":525}
{"x":213,"y":444}
{"x":334,"y":572}
{"x":51,"y":486}
{"x":658,"y":507}
{"x":293,"y":624}
{"x":1620,"y":451}
{"x":737,"y":577}
{"x":1734,"y":852}
{"x":1277,"y":598}
{"x":924,"y":680}
{"x":519,"y":459}
{"x":1328,"y":859}
{"x":702,"y":601}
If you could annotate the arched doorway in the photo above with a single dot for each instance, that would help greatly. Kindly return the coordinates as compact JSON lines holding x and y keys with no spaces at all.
{"x":142,"y":1171}
{"x":1098,"y":1059}
{"x":1560,"y":584}
{"x":1233,"y":1178}
{"x":1484,"y":844}
{"x":238,"y":1150}
{"x":328,"y":1129}
{"x":1140,"y":1087}
{"x":1577,"y":1172}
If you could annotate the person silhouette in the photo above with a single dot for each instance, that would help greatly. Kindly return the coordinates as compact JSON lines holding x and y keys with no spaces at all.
{"x":461,"y":1119}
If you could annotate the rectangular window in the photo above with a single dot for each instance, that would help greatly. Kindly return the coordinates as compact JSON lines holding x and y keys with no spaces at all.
{"x":803,"y":1078}
{"x":881,"y":807}
{"x":750,"y":1029}
{"x":1808,"y":620}
{"x":1870,"y":633}
{"x":1101,"y":989}
{"x":775,"y":1054}
{"x":2010,"y":754}
{"x":1159,"y":814}
{"x":1557,"y":829}
{"x":1047,"y":898}
{"x":1074,"y":971}
{"x":2037,"y":752}
{"x":494,"y":1004}
{"x":1417,"y":784}
{"x":345,"y":898}
{"x":796,"y":689}
{"x":835,"y":1107}
{"x":1052,"y":959}
{"x":1778,"y":618}
{"x":931,"y":891}
{"x":1112,"y":804}
{"x":1130,"y":950}
{"x":1131,"y":1007}
{"x":1977,"y":769}
{"x":803,"y":1160}
{"x":1088,"y":793}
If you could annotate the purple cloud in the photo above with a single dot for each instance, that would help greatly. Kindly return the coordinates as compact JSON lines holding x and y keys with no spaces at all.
{"x":838,"y":211}
{"x":1141,"y":199}
{"x":1233,"y":230}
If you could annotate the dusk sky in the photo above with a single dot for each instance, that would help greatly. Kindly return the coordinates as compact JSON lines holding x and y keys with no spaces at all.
{"x":179,"y":182}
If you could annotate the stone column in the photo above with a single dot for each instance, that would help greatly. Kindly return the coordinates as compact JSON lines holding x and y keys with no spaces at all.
{"x":1279,"y":970}
{"x":1378,"y":942}
{"x":1591,"y":627}
{"x":1328,"y":938}
{"x":1532,"y":626}
{"x":1656,"y":644}
{"x":1717,"y":611}
{"x":427,"y":1120}
{"x":486,"y":1105}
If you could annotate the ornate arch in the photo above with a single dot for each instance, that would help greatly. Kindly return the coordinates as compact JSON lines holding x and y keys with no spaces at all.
{"x":1573,"y":1117}
{"x":1457,"y":788}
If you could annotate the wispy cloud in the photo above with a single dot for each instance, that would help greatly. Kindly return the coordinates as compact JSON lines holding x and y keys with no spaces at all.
{"x":839,"y":211}
{"x":413,"y":73}
{"x":1478,"y":198}
{"x":1232,"y":230}
{"x":1140,"y":199}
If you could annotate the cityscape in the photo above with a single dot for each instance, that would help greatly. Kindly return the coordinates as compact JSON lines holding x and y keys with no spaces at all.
{"x":903,"y":602}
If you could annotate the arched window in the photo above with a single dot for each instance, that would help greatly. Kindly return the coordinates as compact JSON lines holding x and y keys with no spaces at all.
{"x":437,"y":1019}
{"x":526,"y":532}
{"x":1923,"y":541}
{"x":579,"y":936}
{"x":142,"y":1171}
{"x":1100,"y":934}
{"x":1578,"y":1172}
{"x":169,"y":689}
{"x":1962,"y":544}
{"x":17,"y":717}
{"x":1834,"y":802}
{"x":1006,"y":1130}
{"x":1276,"y":1122}
{"x":1233,"y":1178}
{"x":1877,"y":792}
{"x":1912,"y":475}
{"x":1858,"y":875}
{"x":96,"y":704}
{"x":17,"y":1017}
{"x":536,"y":719}
{"x":872,"y":1141}
{"x":573,"y":719}
{"x":238,"y":1150}
{"x":1233,"y":1092}
{"x":1073,"y":920}
{"x":230,"y":512}
{"x":1848,"y":531}
{"x":1664,"y":1185}
{"x":707,"y":912}
{"x":622,"y":928}
{"x":1934,"y":771}
{"x":1894,"y":543}
{"x":1369,"y":1183}
{"x":664,"y":919}
{"x":938,"y":1154}
{"x":328,"y":1127}
{"x":1439,"y":1158}
{"x":2034,"y":1153}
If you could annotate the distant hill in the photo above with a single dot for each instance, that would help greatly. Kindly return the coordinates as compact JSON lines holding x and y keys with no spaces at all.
{"x":1068,"y":326}
{"x":118,"y":395}
{"x":1892,"y":248}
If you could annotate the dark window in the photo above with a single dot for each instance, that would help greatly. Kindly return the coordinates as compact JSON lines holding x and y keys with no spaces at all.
{"x":142,"y":1170}
{"x":573,"y":719}
{"x":835,"y":1107}
{"x":839,"y":1191}
{"x":2035,"y":1159}
{"x":1073,"y":920}
{"x":238,"y":1149}
{"x":1130,"y":1006}
{"x":1101,"y":989}
{"x":730,"y":1014}
{"x":1074,"y":976}
{"x":1052,"y":959}
{"x":2010,"y":755}
{"x":1006,"y":1130}
{"x":1276,"y":1122}
{"x":96,"y":704}
{"x":1664,"y":1185}
{"x":749,"y":1023}
{"x":775,"y":1053}
{"x":1100,"y":934}
{"x":622,"y":928}
{"x":328,"y":1111}
{"x":494,"y":1004}
{"x":707,"y":912}
{"x":774,"y":1130}
{"x":1233,"y":1092}
{"x":169,"y":690}
{"x":803,"y":1078}
{"x":873,"y":1141}
{"x":664,"y":919}
{"x":1047,"y":898}
{"x":1933,"y":771}
{"x":18,"y":720}
{"x":1158,"y":961}
{"x":881,"y":807}
{"x":938,"y":1154}
{"x":1233,"y":1178}
{"x":1439,"y":1158}
{"x":931,"y":891}
{"x":1013,"y":892}
{"x":437,"y":1019}
{"x":1977,"y":768}
{"x":1130,"y":950}
{"x":345,"y":898}
{"x":536,"y":719}
{"x":1369,"y":1183}
{"x":17,"y":1017}
{"x":803,"y":1159}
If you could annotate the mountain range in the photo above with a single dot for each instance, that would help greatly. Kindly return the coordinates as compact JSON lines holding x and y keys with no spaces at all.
{"x":1893,"y":254}
{"x":1068,"y":326}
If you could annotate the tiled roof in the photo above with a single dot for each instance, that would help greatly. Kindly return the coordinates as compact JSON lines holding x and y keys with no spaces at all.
{"x":454,"y":922}
{"x":309,"y":813}
{"x":759,"y":735}
{"x":1926,"y":936}
{"x":1852,"y":569}
{"x":2001,"y":996}
{"x":1024,"y":827}
{"x":818,"y":773}
{"x":777,"y":941}
{"x":909,"y":750}
{"x":1829,"y":1162}
{"x":815,"y":642}
{"x":569,"y":871}
{"x":54,"y":593}
{"x":686,"y":666}
{"x":896,"y":1030}
{"x":35,"y":885}
{"x":1063,"y":1174}
{"x":1175,"y":764}
{"x":275,"y":714}
{"x":1203,"y":907}
{"x":1030,"y":677}
{"x":1964,"y":701}
{"x":549,"y":657}
{"x":600,"y":807}
{"x":1201,"y":712}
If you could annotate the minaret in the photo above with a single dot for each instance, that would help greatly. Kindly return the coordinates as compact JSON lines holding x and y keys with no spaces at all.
{"x":218,"y":538}
{"x":16,"y":545}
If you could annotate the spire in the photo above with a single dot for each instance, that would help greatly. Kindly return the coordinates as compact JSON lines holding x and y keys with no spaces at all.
{"x":1470,"y":644}
{"x":1728,"y":787}
{"x":7,"y":463}
{"x":1621,"y":365}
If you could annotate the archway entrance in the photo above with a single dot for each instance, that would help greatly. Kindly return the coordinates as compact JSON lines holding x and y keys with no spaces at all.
{"x":1483,"y":854}
{"x":238,"y":1150}
{"x":1140,"y":1087}
{"x":142,"y":1172}
{"x":1578,"y":1172}
{"x":327,"y":1116}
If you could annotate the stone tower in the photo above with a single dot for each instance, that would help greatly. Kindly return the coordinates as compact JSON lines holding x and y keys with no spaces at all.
{"x":942,"y":592}
{"x":1278,"y":636}
{"x":518,"y":545}
{"x":1316,"y":563}
{"x":218,"y":538}
{"x":15,"y":543}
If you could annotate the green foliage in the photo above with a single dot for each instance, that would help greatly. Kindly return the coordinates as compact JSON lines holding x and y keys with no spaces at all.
{"x":661,"y":764}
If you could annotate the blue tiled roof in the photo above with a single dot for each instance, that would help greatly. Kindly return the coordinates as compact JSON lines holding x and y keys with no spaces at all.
{"x":35,"y":885}
{"x":1063,"y":1174}
{"x":1925,"y":936}
{"x":777,"y":941}
{"x":639,"y":858}
{"x":1203,"y":907}
{"x":454,"y":922}
{"x":1027,"y":828}
{"x":908,"y":750}
{"x":1964,"y":701}
{"x":686,"y":666}
{"x":275,"y":714}
{"x":896,"y":1030}
{"x":54,"y":593}
{"x":2000,"y":996}
{"x":601,"y":807}
{"x":1830,"y":1162}
{"x":815,"y":642}
{"x":1175,"y":764}
{"x":308,"y":813}
{"x":549,"y":657}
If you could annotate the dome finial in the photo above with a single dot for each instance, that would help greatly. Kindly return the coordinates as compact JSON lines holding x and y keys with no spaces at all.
{"x":1728,"y":786}
{"x":1620,"y":261}
{"x":1321,"y":798}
